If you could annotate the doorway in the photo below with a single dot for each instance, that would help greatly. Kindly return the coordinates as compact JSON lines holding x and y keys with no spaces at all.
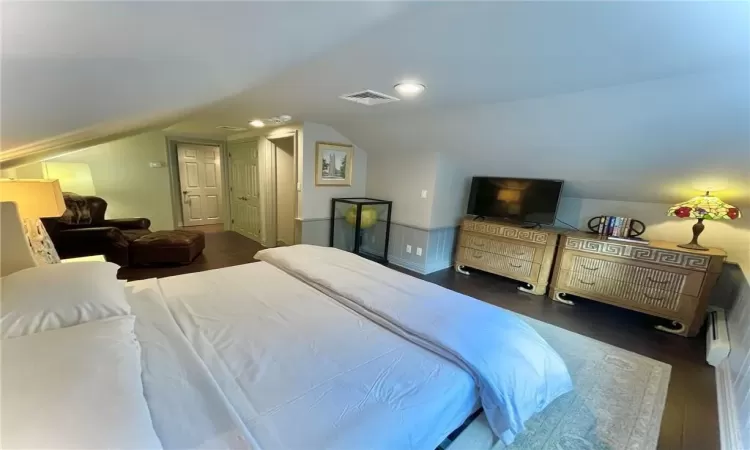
{"x":262,"y":174}
{"x":200,"y":179}
{"x":286,"y":190}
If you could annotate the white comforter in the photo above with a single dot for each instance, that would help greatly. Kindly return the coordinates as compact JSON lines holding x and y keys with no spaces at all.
{"x":188,"y":409}
{"x":304,"y":372}
{"x":517,"y":372}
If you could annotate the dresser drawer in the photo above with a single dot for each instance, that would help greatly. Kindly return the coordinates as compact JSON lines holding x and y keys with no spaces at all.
{"x":681,"y":281}
{"x":499,"y":264}
{"x":505,"y":231}
{"x":514,"y":249}
{"x":670,"y":304}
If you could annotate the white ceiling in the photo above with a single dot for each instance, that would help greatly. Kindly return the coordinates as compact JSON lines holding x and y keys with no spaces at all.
{"x":623,"y":100}
{"x":70,"y":67}
{"x":479,"y":53}
{"x":639,"y":101}
{"x":660,"y":141}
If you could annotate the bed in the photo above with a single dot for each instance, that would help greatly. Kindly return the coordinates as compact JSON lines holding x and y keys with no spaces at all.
{"x":317,"y":348}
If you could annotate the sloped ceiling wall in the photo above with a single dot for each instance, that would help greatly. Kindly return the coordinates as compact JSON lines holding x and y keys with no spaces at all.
{"x":659,"y":141}
{"x":74,"y":72}
{"x":636,"y":101}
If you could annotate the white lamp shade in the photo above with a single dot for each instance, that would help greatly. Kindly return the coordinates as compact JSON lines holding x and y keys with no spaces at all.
{"x":35,"y":198}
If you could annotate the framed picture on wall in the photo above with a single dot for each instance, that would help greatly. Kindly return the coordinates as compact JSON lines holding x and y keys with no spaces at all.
{"x":333,"y":164}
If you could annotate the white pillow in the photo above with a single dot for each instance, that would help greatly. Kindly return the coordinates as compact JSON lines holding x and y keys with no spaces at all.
{"x":58,"y":296}
{"x":77,"y":388}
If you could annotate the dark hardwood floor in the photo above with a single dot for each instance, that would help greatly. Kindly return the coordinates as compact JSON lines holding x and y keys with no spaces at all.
{"x":223,"y":249}
{"x":690,"y":420}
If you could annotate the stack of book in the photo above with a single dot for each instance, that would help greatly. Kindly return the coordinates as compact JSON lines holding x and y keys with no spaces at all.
{"x":615,"y":226}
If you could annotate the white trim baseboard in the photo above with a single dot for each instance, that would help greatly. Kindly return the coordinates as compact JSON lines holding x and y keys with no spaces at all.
{"x":407,"y":264}
{"x":728,"y":423}
{"x":440,"y":265}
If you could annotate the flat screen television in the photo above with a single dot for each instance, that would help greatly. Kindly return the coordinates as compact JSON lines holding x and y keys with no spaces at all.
{"x":515,"y":199}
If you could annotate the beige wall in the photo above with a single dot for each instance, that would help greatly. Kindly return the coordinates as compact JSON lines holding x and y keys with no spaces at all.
{"x":316,"y":200}
{"x":8,"y":173}
{"x":122,"y":176}
{"x":285,"y":190}
{"x":401,"y":177}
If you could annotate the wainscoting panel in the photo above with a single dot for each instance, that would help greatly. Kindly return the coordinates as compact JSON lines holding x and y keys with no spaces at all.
{"x":403,"y":235}
{"x":733,"y":375}
{"x":437,"y":245}
{"x":441,"y":246}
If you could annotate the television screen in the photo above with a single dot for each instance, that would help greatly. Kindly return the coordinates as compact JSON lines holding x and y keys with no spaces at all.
{"x":516,"y":199}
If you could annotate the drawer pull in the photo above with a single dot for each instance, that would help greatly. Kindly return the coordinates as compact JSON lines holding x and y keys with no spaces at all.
{"x":516,"y":266}
{"x":589,"y":268}
{"x":587,"y":284}
{"x":479,"y":244}
{"x":658,"y":282}
{"x":652,"y":298}
{"x":519,"y":253}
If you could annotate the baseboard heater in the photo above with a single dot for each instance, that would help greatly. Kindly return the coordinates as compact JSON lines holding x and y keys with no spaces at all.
{"x":717,"y":337}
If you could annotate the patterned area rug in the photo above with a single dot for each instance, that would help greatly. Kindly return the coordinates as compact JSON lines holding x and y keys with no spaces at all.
{"x":617,"y":402}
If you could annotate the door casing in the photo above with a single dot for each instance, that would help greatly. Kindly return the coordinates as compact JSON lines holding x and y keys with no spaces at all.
{"x":174,"y":175}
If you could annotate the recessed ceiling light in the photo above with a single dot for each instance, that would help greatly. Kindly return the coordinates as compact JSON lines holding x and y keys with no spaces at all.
{"x":409,"y":89}
{"x":285,"y":117}
{"x":257,"y":123}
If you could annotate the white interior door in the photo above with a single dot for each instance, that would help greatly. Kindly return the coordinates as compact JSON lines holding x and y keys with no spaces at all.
{"x":200,"y":184}
{"x":245,"y":189}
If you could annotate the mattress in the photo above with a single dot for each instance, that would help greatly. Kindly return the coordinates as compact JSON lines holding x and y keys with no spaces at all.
{"x":304,"y":372}
{"x":188,"y":409}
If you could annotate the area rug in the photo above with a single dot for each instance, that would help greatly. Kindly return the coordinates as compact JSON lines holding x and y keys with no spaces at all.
{"x":617,"y":401}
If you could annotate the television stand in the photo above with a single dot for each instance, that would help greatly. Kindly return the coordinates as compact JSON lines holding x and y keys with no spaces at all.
{"x":508,"y":249}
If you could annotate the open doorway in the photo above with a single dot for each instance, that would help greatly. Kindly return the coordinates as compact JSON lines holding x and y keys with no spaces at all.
{"x":262,"y":174}
{"x":286,"y":190}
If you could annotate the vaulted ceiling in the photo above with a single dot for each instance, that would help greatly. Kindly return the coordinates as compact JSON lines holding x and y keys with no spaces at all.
{"x":471,"y":53}
{"x":626,"y":100}
{"x":78,"y":71}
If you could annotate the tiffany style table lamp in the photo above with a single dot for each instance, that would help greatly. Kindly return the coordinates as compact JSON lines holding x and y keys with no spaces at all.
{"x":704,"y":207}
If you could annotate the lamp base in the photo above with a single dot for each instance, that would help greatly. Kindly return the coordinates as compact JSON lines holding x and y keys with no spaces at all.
{"x":692,"y":246}
{"x":42,"y":249}
{"x":697,"y":230}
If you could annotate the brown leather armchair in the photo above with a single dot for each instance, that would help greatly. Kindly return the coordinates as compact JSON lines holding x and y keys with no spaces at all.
{"x":83,"y":231}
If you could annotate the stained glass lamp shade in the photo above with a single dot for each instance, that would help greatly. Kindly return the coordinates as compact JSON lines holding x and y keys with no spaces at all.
{"x":704,"y":207}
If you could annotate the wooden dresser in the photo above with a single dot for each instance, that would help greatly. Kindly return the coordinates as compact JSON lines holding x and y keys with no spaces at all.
{"x":523,"y":254}
{"x":660,"y":279}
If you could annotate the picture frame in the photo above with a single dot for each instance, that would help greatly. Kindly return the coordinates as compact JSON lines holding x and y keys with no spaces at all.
{"x":333,"y":164}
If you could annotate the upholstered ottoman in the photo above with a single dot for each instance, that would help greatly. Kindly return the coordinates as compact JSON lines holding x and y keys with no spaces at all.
{"x":167,"y":247}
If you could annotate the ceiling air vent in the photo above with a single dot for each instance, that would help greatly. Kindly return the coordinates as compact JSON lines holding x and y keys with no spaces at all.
{"x":369,"y":98}
{"x":227,"y":127}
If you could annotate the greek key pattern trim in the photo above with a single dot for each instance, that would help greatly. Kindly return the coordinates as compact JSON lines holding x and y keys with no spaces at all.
{"x":640,"y":253}
{"x":506,"y":232}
